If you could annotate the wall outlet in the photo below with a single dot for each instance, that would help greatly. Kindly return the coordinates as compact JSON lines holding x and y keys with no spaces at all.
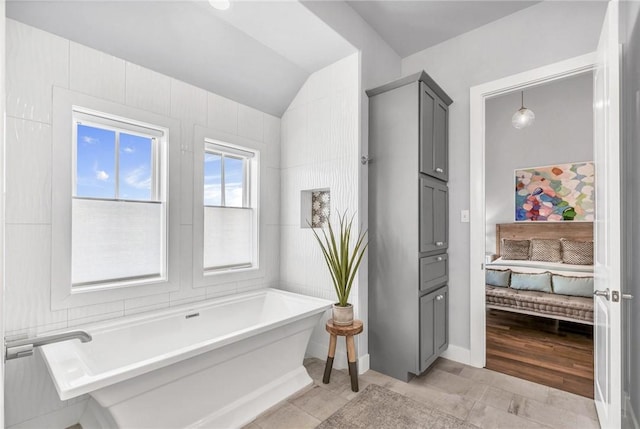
{"x":464,"y":216}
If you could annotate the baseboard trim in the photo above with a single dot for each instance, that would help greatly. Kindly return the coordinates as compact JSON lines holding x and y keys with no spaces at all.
{"x":458,"y":354}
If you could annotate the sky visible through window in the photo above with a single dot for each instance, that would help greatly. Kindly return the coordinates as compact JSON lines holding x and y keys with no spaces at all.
{"x":96,"y":165}
{"x":233,"y":180}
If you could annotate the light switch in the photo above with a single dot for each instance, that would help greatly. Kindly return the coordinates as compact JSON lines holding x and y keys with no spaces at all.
{"x":464,"y":216}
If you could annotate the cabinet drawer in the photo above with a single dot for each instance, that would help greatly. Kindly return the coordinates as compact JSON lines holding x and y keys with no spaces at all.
{"x":434,"y":271}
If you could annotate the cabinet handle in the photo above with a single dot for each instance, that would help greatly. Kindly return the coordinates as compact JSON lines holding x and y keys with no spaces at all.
{"x":439,"y":170}
{"x":439,"y":297}
{"x":439,"y":258}
{"x":439,"y":243}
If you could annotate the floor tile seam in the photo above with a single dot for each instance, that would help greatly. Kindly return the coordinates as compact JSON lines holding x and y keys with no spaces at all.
{"x":543,"y":425}
{"x":308,"y":414}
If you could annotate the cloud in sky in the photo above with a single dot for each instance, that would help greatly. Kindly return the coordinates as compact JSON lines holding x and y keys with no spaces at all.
{"x":138,"y":178}
{"x":102,"y":175}
{"x":90,"y":140}
{"x":129,"y":149}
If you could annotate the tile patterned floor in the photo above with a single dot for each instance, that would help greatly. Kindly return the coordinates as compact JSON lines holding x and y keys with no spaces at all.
{"x":484,"y":398}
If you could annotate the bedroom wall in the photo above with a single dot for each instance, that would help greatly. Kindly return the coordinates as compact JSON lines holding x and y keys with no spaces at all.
{"x":39,"y":61}
{"x":539,"y":35}
{"x":562,"y":133}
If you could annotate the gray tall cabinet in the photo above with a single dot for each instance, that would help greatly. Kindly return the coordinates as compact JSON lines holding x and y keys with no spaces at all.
{"x":408,"y":225}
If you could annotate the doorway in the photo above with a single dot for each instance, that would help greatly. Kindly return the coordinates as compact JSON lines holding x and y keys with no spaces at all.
{"x":539,"y":304}
{"x":479,"y":96}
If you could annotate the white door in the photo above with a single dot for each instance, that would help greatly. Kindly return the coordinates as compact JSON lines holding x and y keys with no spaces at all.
{"x":2,"y":150}
{"x":607,"y":328}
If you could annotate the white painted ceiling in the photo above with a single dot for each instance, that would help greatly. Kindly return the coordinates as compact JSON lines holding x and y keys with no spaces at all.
{"x":412,"y":26}
{"x":257,"y":53}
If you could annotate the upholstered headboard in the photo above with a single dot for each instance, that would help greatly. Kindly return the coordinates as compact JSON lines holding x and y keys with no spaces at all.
{"x":579,"y":231}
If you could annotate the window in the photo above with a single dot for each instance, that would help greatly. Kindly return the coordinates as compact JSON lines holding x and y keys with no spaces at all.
{"x":229,"y":215}
{"x":118,"y":202}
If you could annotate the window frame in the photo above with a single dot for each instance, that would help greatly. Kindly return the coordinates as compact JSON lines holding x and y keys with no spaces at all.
{"x":119,"y":125}
{"x":63,"y":294}
{"x":219,"y":278}
{"x":107,"y":121}
{"x":225,"y":150}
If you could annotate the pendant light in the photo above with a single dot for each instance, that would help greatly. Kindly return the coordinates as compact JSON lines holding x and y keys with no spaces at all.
{"x":523,"y":117}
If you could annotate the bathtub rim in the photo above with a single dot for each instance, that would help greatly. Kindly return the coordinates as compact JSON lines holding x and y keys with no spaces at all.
{"x":91,"y":382}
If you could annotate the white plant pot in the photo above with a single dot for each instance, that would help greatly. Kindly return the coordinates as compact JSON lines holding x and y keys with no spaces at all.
{"x":342,"y":316}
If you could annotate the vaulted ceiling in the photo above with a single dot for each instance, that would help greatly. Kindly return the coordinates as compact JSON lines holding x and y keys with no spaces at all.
{"x":411,"y":26}
{"x":258,"y":53}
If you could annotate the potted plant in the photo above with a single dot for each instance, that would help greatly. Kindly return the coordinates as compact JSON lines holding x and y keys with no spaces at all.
{"x":343,"y":263}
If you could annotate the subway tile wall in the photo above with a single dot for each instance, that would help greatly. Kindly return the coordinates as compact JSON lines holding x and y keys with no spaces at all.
{"x":38,"y":61}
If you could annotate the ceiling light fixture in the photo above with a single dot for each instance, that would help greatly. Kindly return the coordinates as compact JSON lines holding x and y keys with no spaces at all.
{"x":220,"y":4}
{"x":523,"y":117}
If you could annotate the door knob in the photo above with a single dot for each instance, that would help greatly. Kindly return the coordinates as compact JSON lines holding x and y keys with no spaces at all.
{"x":439,"y":258}
{"x":439,"y":297}
{"x":602,"y":293}
{"x":439,"y":170}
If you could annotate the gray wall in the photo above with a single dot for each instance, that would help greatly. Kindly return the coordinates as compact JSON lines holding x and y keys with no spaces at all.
{"x":562,"y":133}
{"x":538,"y":35}
{"x":630,"y":37}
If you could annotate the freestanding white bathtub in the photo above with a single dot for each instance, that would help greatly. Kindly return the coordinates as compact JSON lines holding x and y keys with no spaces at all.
{"x":215,"y":364}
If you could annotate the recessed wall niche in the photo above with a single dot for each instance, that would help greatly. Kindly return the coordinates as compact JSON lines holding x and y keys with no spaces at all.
{"x":315,"y":208}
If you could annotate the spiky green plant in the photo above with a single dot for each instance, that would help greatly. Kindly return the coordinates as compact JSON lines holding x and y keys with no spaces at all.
{"x":342,"y":262}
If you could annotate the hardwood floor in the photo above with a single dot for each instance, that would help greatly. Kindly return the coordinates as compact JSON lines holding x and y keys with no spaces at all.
{"x":545,"y":351}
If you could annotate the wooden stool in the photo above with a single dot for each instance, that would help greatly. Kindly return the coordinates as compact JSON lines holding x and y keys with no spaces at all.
{"x":348,"y":332}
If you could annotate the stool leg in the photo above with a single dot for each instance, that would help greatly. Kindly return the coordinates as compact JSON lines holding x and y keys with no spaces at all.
{"x":332,"y":352}
{"x":353,"y":365}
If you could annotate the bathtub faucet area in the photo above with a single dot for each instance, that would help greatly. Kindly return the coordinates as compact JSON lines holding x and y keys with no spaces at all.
{"x":23,"y":347}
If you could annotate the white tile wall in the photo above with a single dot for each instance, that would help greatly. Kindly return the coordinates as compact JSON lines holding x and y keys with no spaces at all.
{"x":148,"y":90}
{"x":319,"y":149}
{"x":250,"y":123}
{"x":95,"y":73}
{"x":222,"y":114}
{"x":38,"y":61}
{"x":28,"y":183}
{"x":27,"y":278}
{"x":32,"y":72}
{"x":29,"y":390}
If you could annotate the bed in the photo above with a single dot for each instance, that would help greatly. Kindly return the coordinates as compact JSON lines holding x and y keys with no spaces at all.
{"x":559,"y":286}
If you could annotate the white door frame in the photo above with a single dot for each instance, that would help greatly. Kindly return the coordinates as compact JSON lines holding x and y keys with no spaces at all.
{"x":479,"y":94}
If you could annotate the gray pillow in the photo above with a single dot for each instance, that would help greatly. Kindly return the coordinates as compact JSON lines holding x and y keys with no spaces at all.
{"x":546,"y":250}
{"x":499,"y":278}
{"x":525,"y":281}
{"x":515,"y":249}
{"x":577,"y":252}
{"x":575,"y":286}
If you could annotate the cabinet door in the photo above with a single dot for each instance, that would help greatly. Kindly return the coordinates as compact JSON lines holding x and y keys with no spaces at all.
{"x":434,"y":151}
{"x":441,"y":140}
{"x":434,"y":215}
{"x":433,"y":326}
{"x":434,"y":271}
{"x":427,"y":333}
{"x":441,"y":316}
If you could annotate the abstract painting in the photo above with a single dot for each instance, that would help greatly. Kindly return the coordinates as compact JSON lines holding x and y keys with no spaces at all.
{"x":563,"y":192}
